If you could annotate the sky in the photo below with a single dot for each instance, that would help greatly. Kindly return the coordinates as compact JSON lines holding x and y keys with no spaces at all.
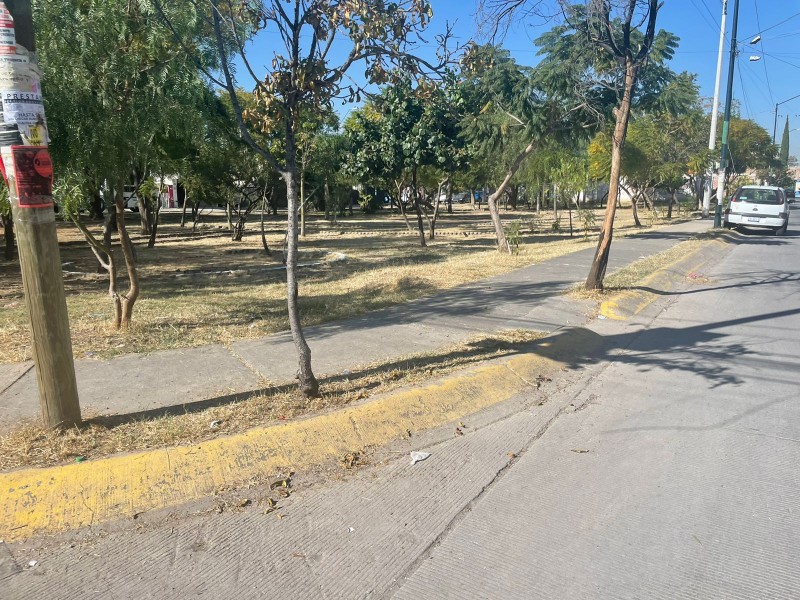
{"x":758,"y":85}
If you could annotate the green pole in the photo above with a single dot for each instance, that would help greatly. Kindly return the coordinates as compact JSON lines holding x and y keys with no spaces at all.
{"x":723,"y":161}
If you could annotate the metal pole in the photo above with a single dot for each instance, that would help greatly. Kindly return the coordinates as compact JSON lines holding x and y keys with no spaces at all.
{"x":28,"y":172}
{"x":712,"y":136}
{"x":775,"y":125}
{"x":727,"y":120}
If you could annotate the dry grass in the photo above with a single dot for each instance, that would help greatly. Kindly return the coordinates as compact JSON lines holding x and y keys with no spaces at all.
{"x":203,"y":288}
{"x":33,"y":445}
{"x":633,"y":274}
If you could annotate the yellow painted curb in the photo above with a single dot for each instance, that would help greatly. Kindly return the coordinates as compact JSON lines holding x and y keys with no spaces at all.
{"x":631,"y":302}
{"x":72,"y":496}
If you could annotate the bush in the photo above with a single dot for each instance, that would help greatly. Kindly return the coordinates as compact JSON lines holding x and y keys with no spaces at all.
{"x":513,"y":236}
{"x":587,"y":219}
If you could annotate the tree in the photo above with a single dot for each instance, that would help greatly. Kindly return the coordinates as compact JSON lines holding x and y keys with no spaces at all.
{"x":784,"y":154}
{"x":401,"y":131}
{"x":512,"y":111}
{"x":751,"y":148}
{"x":116,"y":90}
{"x":304,"y":75}
{"x":618,"y":38}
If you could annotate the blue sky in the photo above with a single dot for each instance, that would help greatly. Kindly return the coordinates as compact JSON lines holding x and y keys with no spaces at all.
{"x":757,"y":85}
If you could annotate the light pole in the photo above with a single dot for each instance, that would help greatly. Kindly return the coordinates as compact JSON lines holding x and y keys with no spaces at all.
{"x":723,"y":161}
{"x":712,"y":136}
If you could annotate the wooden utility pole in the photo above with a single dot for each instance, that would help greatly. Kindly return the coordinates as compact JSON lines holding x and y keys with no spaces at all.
{"x":28,"y":171}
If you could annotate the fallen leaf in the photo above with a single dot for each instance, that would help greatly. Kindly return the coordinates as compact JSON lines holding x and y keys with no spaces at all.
{"x":580,"y":451}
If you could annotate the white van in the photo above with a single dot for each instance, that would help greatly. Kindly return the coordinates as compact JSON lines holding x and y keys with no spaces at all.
{"x":759,"y":206}
{"x":131,"y":199}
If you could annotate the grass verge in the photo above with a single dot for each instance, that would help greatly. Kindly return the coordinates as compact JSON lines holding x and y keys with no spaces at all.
{"x":632,"y":274}
{"x":33,"y":445}
{"x":202,"y":289}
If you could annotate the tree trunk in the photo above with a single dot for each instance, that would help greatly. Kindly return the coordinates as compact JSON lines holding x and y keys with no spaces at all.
{"x":415,"y":199}
{"x":597,"y":272}
{"x":502,"y":242}
{"x":263,"y":230}
{"x":106,"y":260}
{"x":327,"y":195}
{"x":401,"y":205}
{"x":303,"y":199}
{"x":634,"y":207}
{"x":144,"y":211}
{"x":183,"y":211}
{"x":109,"y":226}
{"x":129,"y":299}
{"x":156,"y":215}
{"x":308,"y":383}
{"x":8,"y":234}
{"x":672,"y":200}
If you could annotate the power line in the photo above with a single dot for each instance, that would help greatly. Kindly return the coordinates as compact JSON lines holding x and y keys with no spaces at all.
{"x":713,"y":24}
{"x":764,"y":62}
{"x":772,"y":26}
{"x":713,"y":18}
{"x":744,"y":91}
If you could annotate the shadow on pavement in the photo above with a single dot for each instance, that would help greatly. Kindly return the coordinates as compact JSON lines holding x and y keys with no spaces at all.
{"x":698,"y":350}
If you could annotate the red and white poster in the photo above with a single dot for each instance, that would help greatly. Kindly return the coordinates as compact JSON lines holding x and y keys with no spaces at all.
{"x":8,"y":39}
{"x":33,"y":176}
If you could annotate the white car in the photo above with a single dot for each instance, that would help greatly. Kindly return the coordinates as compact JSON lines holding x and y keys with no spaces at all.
{"x":763,"y":206}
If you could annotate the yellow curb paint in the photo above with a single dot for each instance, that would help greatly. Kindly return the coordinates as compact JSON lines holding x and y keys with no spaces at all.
{"x":77,"y":495}
{"x":641,"y":299}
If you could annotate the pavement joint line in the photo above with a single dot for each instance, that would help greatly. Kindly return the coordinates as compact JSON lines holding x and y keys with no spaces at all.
{"x":631,"y":302}
{"x":262,"y":379}
{"x":76,"y":495}
{"x":557,"y":410}
{"x":17,"y":378}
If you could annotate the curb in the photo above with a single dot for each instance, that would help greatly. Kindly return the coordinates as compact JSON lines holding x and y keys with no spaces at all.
{"x":67,"y":497}
{"x":631,"y":302}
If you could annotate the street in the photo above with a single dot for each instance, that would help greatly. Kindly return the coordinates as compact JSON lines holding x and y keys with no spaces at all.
{"x":662,"y":466}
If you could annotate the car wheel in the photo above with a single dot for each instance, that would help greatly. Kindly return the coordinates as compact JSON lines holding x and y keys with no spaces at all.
{"x":782,"y":230}
{"x":726,"y":225}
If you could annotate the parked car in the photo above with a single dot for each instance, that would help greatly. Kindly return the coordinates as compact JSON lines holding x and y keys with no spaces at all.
{"x":761,"y":206}
{"x":790,"y":195}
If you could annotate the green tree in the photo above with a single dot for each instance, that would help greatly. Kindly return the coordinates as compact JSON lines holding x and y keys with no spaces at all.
{"x":784,"y":153}
{"x":400,"y":132}
{"x":304,"y":76}
{"x":117,"y":92}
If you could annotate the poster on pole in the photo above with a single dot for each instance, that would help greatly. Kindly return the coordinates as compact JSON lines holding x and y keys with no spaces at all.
{"x":33,"y":176}
{"x":8,"y":39}
{"x":21,"y":97}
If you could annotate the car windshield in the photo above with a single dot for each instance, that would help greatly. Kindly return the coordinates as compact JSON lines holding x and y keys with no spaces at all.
{"x":757,"y":196}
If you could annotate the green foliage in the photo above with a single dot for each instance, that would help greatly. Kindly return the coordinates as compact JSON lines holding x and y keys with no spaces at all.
{"x":750,"y":147}
{"x":587,"y":220}
{"x":119,"y":96}
{"x":514,"y":235}
{"x":784,"y":153}
{"x":402,"y":129}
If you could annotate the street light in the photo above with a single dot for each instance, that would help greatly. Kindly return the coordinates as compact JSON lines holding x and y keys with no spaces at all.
{"x":775,"y":126}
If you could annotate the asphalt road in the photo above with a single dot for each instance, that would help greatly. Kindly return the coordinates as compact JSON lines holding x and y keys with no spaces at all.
{"x":668,"y":470}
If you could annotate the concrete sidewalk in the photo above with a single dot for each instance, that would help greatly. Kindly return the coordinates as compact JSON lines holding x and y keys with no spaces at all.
{"x":525,"y":298}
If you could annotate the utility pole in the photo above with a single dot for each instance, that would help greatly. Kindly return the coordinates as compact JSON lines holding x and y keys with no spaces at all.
{"x":712,"y":136}
{"x":723,"y":161}
{"x":775,"y":124}
{"x":28,"y":171}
